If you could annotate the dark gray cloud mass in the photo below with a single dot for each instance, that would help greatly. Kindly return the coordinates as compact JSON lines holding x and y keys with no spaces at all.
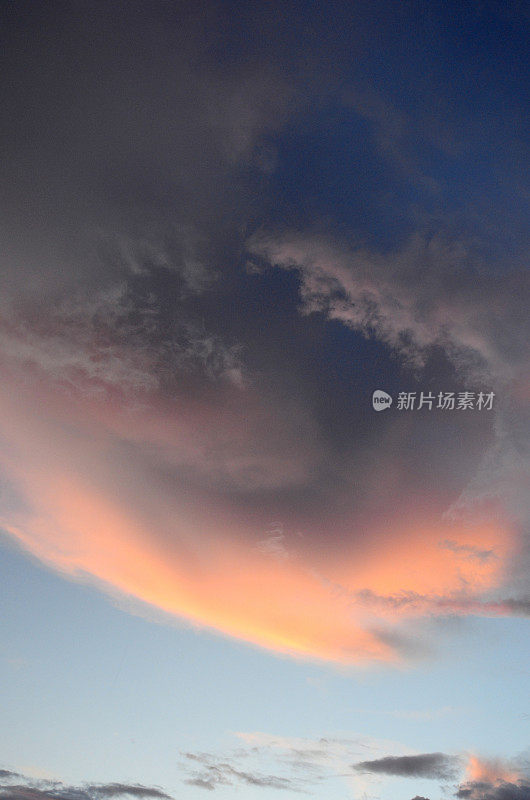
{"x":426,"y":765}
{"x":502,"y":790}
{"x":225,"y":225}
{"x":54,"y":790}
{"x":299,"y":766}
{"x":118,"y":789}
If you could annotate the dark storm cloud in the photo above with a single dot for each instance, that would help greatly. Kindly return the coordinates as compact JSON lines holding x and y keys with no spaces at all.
{"x":161,"y":162}
{"x":434,"y":292}
{"x":428,"y":765}
{"x":175,"y":121}
{"x":130,"y":127}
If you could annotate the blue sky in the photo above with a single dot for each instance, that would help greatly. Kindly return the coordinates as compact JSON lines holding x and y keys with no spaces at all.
{"x":133,"y":694}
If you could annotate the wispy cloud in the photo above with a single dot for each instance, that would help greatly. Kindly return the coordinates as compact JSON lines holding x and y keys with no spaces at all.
{"x":214,"y":772}
{"x":304,"y":765}
{"x":381,"y":294}
{"x":294,"y":764}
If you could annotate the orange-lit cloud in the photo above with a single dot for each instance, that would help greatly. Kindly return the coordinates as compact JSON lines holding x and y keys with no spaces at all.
{"x":105,"y":492}
{"x":491,"y":770}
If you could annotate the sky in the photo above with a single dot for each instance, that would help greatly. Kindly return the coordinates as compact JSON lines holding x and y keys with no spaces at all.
{"x":264,"y":402}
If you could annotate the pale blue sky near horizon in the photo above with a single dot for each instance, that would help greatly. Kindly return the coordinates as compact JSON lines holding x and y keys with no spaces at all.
{"x":94,"y":693}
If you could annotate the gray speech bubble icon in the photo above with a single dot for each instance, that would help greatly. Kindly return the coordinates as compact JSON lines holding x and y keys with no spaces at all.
{"x":381,"y":400}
